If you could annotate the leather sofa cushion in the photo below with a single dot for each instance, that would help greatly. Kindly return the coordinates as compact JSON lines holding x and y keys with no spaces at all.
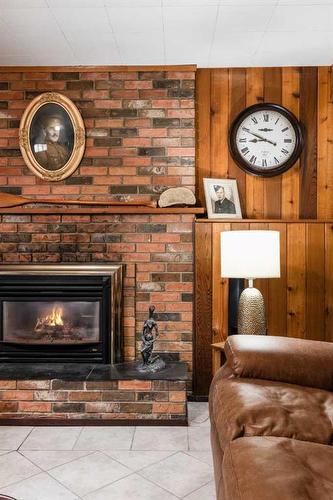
{"x":250,"y":407}
{"x":290,"y":360}
{"x":277,"y":469}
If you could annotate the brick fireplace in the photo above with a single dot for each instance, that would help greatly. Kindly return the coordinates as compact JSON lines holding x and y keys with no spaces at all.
{"x":140,"y":141}
{"x":61,"y":313}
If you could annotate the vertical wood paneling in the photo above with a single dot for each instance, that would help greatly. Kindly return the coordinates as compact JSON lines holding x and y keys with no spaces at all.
{"x":219,"y":122}
{"x":306,"y":92}
{"x":308,"y":116}
{"x":296,"y":282}
{"x":203,"y":131}
{"x":328,"y":282}
{"x":290,"y":179}
{"x":254,"y":185}
{"x":298,"y":304}
{"x":324,"y":173}
{"x":220,"y":288}
{"x":202,"y":359}
{"x":315,"y":281}
{"x":237,"y":102}
{"x":277,"y":288}
{"x":272,"y":185}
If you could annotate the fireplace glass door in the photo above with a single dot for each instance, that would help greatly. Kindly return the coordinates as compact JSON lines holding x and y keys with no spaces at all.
{"x":51,"y":322}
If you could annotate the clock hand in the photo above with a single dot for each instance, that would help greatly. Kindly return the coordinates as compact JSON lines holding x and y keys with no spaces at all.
{"x":256,"y":140}
{"x":262,"y":138}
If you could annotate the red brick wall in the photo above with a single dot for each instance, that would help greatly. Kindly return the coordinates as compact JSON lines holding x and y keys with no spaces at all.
{"x":109,"y":400}
{"x":157,"y":251}
{"x":139,"y":131}
{"x":140,"y":140}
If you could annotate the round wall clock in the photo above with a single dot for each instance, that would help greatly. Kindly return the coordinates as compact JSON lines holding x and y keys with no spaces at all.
{"x":265,"y":139}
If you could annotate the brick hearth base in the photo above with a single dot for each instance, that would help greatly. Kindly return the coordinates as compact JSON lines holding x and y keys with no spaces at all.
{"x":115,"y":401}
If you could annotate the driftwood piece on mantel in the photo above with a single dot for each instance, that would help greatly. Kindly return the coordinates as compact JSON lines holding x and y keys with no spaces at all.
{"x":101,"y":210}
{"x":8,"y":200}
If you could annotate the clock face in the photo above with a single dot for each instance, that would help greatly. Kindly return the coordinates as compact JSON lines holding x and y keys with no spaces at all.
{"x":265,"y":139}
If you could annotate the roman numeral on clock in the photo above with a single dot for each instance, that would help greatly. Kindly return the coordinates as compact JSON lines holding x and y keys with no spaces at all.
{"x":284,"y":129}
{"x":245,"y":151}
{"x":263,"y":163}
{"x":266,"y":117}
{"x":276,"y":161}
{"x":253,"y":159}
{"x":287,"y":140}
{"x":284,"y":151}
{"x":243,"y":139}
{"x":246,"y":129}
{"x":254,"y":119}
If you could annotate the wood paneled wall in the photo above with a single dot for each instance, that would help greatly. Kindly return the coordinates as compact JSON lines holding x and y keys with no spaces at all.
{"x":306,"y":190}
{"x":299,"y":304}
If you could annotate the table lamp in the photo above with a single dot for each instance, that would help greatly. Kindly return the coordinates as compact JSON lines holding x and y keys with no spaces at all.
{"x":250,"y":255}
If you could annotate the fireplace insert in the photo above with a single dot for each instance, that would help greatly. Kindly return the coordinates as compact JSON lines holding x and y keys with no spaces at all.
{"x":61,"y":313}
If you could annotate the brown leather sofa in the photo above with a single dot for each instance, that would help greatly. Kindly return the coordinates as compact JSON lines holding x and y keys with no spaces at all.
{"x":271,"y":411}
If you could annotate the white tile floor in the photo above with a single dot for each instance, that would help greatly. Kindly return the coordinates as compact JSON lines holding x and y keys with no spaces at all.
{"x":103,"y":463}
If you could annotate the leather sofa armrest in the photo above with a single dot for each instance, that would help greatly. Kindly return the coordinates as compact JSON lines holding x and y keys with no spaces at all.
{"x":295,"y":361}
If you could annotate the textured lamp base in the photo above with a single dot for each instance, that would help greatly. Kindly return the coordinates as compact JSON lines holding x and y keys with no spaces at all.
{"x":251,"y":313}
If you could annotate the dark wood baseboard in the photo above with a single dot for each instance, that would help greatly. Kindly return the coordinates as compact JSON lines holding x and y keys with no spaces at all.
{"x":35,"y":422}
{"x":197,"y":399}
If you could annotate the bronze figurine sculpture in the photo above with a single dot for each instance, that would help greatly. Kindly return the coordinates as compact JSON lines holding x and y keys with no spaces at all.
{"x":149,"y":336}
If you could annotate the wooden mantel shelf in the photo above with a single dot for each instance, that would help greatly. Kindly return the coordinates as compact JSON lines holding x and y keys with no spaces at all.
{"x":24,"y":210}
{"x":266,"y":221}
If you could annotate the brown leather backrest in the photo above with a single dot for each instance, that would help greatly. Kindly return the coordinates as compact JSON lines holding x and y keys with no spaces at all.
{"x":296,"y":361}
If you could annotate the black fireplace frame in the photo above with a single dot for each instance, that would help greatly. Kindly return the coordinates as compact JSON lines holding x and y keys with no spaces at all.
{"x":62,"y":282}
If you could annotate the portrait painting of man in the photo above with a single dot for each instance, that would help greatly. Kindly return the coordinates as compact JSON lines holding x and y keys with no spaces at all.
{"x":52,"y":137}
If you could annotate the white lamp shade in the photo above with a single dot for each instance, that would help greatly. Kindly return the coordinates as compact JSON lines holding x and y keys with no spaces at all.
{"x":250,"y":254}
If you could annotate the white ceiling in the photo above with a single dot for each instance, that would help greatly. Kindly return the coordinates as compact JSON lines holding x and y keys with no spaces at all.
{"x":209,"y":33}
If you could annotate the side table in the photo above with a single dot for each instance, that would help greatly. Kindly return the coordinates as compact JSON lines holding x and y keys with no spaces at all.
{"x":218,"y":356}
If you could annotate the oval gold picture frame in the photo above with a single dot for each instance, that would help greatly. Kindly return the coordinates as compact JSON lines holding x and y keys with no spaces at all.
{"x":52,"y":157}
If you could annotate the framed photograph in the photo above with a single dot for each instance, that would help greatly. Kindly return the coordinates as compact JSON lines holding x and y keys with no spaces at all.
{"x":222,"y":199}
{"x":52,"y":136}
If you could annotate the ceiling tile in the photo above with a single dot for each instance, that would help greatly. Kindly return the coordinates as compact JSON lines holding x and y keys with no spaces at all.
{"x":310,"y":17}
{"x":137,"y":48}
{"x":181,"y":19}
{"x":55,"y":45}
{"x":28,"y":21}
{"x":305,"y":2}
{"x":70,"y":19}
{"x":194,"y":47}
{"x":249,"y":3}
{"x":243,"y":18}
{"x":16,"y":60}
{"x":99,"y":57}
{"x":87,"y":47}
{"x":286,"y":49}
{"x":135,"y":19}
{"x":189,"y":3}
{"x":11,"y":47}
{"x":20,"y":4}
{"x":133,"y":3}
{"x":78,"y":4}
{"x":234,"y":49}
{"x":65,"y":59}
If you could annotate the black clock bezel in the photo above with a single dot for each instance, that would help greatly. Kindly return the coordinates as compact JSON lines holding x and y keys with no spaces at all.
{"x":258,"y":171}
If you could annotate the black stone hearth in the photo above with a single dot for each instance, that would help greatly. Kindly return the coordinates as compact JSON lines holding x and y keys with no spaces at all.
{"x":175,"y":370}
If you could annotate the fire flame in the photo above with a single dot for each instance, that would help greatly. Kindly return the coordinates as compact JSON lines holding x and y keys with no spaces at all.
{"x":53,"y":319}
